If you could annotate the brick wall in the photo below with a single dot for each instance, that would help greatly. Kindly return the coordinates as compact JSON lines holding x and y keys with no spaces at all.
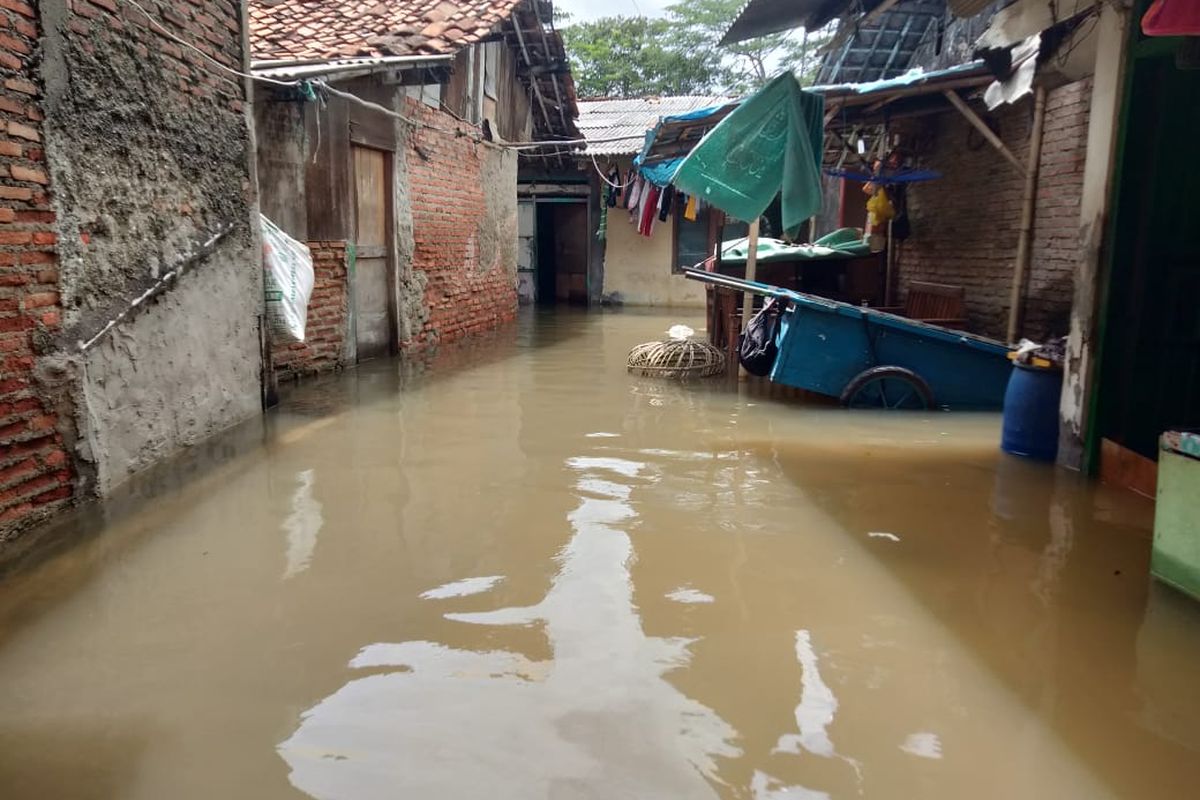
{"x":965,"y":225}
{"x":460,"y":194}
{"x":35,"y":473}
{"x":325,"y":332}
{"x":1056,"y":245}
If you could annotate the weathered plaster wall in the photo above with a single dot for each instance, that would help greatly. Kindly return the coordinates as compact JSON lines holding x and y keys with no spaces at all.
{"x":637,"y":269}
{"x":149,"y":153}
{"x":279,"y":131}
{"x":1105,"y":103}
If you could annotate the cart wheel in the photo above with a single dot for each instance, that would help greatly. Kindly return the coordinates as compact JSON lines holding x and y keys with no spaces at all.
{"x":888,"y":387}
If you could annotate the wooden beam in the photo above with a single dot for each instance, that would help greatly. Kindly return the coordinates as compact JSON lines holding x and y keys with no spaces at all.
{"x":983,"y":128}
{"x":878,"y":11}
{"x":751,"y":269}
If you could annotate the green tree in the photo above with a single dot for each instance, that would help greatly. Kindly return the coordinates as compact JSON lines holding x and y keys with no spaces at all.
{"x":698,"y":25}
{"x":635,"y":57}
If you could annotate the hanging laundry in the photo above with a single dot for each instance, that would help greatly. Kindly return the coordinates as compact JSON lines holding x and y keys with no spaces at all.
{"x":649,"y":211}
{"x":689,"y":210}
{"x":636,"y":213}
{"x":1172,"y":18}
{"x":635,"y":193}
{"x":664,"y":204}
{"x":602,"y":231}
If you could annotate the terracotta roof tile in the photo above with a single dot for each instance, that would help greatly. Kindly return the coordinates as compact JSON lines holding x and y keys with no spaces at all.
{"x":317,"y":29}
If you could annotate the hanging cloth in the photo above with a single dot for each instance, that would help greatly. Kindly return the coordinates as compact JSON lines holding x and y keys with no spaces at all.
{"x":689,"y":210}
{"x":649,"y":211}
{"x":1172,"y":18}
{"x":602,"y":231}
{"x":771,"y":143}
{"x":635,"y":193}
{"x":640,"y":209}
{"x":664,"y":205}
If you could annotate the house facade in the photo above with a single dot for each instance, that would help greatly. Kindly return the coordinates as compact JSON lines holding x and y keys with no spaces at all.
{"x":397,"y":176}
{"x":130,"y":278}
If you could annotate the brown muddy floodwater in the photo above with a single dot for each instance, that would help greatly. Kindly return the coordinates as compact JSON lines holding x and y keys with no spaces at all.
{"x":520,"y":573}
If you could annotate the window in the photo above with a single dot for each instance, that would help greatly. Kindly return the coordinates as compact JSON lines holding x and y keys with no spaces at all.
{"x":694,"y":241}
{"x":697,"y":240}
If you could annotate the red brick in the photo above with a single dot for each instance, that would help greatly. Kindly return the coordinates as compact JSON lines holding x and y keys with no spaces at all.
{"x":15,"y":193}
{"x":22,"y":8}
{"x":40,"y":299}
{"x":23,"y":131}
{"x":20,"y":85}
{"x":19,"y":471}
{"x":21,"y":173}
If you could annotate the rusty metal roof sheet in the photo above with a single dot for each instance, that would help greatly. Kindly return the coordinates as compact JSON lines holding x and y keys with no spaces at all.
{"x":629,"y":120}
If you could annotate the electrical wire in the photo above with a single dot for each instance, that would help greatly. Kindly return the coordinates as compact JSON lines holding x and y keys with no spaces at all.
{"x":326,"y":88}
{"x":618,"y":186}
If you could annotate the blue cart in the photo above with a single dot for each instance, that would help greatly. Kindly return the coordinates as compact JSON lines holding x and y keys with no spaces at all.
{"x":871,"y":359}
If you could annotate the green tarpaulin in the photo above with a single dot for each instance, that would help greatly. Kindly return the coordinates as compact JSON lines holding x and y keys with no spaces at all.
{"x":844,"y":243}
{"x":772,"y":143}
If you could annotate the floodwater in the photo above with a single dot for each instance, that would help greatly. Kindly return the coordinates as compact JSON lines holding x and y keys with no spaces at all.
{"x":517,"y":572}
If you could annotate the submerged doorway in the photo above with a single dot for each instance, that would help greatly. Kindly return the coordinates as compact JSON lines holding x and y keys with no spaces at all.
{"x":561,"y":258}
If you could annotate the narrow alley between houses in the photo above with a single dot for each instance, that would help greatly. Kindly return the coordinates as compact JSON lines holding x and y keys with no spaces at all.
{"x":517,"y":571}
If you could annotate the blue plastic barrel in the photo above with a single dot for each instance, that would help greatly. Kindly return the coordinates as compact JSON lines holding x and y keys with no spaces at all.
{"x":1031,"y":412}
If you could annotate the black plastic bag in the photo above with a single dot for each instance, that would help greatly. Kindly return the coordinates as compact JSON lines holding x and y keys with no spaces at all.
{"x":756,"y":347}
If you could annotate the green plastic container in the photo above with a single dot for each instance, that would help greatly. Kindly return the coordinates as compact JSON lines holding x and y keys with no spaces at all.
{"x":1176,"y":556}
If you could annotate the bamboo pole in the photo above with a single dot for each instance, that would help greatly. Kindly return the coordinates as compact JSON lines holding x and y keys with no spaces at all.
{"x":983,"y":129}
{"x":751,"y":270}
{"x":1028,"y":203}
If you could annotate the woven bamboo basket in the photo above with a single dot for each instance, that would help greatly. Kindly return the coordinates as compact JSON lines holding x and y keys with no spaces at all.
{"x":676,"y":358}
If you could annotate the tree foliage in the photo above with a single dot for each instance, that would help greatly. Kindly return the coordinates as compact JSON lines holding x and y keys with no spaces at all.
{"x":632,"y":57}
{"x":679,"y":54}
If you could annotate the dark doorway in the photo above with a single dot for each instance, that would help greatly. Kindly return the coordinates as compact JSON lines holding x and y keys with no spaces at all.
{"x":1150,"y":359}
{"x":562,"y":253}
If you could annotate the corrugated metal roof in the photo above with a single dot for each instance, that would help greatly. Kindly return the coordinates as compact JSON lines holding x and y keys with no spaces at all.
{"x":763,"y":17}
{"x":630,"y":119}
{"x":881,"y":47}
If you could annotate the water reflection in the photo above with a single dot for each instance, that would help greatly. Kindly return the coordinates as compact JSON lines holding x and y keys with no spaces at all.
{"x":509,"y":727}
{"x":302,"y":525}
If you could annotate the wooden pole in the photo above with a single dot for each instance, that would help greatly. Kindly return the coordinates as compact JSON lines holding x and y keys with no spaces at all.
{"x":891,"y":267}
{"x":1028,"y":204}
{"x":983,"y":129}
{"x":751,"y":269}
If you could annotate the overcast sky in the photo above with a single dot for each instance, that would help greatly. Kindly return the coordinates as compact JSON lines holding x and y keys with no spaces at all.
{"x":591,"y":9}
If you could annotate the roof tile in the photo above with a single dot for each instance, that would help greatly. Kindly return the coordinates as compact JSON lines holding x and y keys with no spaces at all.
{"x":319,"y":29}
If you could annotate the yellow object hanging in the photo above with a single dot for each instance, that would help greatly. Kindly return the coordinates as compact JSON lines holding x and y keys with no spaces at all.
{"x":880,"y":209}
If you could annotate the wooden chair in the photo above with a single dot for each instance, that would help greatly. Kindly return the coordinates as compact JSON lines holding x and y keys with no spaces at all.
{"x":935,"y":303}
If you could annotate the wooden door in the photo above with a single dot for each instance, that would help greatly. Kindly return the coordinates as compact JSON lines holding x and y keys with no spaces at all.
{"x":372,"y":285}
